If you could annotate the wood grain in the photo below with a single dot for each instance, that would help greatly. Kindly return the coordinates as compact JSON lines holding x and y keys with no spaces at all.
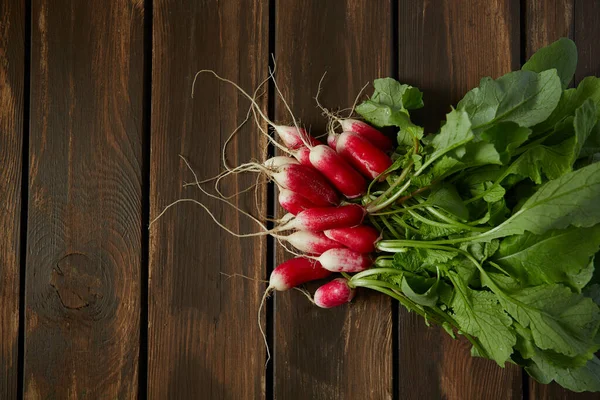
{"x":445,"y":48}
{"x":586,"y":33}
{"x":12,"y":52}
{"x":547,"y":21}
{"x":204,"y":340}
{"x":84,"y":217}
{"x":343,"y":353}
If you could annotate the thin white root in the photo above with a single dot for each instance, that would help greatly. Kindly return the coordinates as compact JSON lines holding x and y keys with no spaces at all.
{"x":300,"y":134}
{"x":236,"y":130}
{"x":269,"y":137}
{"x":330,"y":115}
{"x":259,"y":223}
{"x":251,"y":98}
{"x":247,"y":167}
{"x":254,"y":187}
{"x":256,"y":202}
{"x":210,"y":214}
{"x":221,"y":175}
{"x":305,"y":293}
{"x":255,"y":107}
{"x":236,"y":275}
{"x":224,"y":201}
{"x":207,"y":179}
{"x":356,"y":99}
{"x":262,"y":331}
{"x":280,"y":239}
{"x":282,"y":221}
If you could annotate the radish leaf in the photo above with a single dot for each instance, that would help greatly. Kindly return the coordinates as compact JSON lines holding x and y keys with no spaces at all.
{"x":569,"y":200}
{"x":523,"y":97}
{"x":479,"y":314}
{"x":558,"y":256}
{"x":560,"y":55}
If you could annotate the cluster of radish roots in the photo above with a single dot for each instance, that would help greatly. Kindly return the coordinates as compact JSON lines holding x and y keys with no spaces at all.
{"x":324,"y":187}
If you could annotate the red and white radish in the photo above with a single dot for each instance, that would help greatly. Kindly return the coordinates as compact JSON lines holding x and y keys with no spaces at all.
{"x":294,"y":272}
{"x":302,"y":154}
{"x":279,"y":161}
{"x":308,"y":183}
{"x":288,"y":275}
{"x":332,"y":140}
{"x":362,"y":154}
{"x":368,"y":132}
{"x":344,"y":260}
{"x":292,"y":202}
{"x":311,"y":242}
{"x":293,"y":137}
{"x":360,"y":238}
{"x":334,"y":293}
{"x":345,"y":178}
{"x":322,"y":218}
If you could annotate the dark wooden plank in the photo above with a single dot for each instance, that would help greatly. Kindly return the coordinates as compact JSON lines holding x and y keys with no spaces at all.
{"x":547,"y":21}
{"x":444,"y":49}
{"x":204,"y":340}
{"x":84,"y":217}
{"x":586,"y":33}
{"x":343,"y":353}
{"x":12,"y":52}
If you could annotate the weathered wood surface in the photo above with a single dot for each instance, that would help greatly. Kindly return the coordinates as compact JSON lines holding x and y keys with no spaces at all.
{"x":12,"y":93}
{"x":204,"y":340}
{"x":84,"y":246}
{"x":109,"y":115}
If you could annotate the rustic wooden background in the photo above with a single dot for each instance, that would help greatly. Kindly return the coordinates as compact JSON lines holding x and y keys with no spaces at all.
{"x":95,"y":108}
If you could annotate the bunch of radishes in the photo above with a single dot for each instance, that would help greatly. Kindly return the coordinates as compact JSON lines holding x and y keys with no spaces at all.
{"x":323,"y":189}
{"x":329,"y":228}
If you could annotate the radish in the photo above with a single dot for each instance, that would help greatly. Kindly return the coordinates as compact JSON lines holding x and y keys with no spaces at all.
{"x":307,"y":182}
{"x":368,"y":132}
{"x":292,"y":136}
{"x":294,"y":272}
{"x":362,"y":154}
{"x":302,"y":154}
{"x":279,"y":161}
{"x":332,"y":140}
{"x":344,"y":260}
{"x":360,"y":238}
{"x":322,"y":218}
{"x":311,"y":242}
{"x":292,"y":202}
{"x":345,"y":178}
{"x":342,"y":175}
{"x":334,"y":293}
{"x":288,"y":275}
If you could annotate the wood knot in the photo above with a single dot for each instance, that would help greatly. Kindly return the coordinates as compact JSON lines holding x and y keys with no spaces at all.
{"x":77,"y":281}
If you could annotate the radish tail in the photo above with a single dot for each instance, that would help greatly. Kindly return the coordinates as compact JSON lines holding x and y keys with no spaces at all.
{"x":306,"y":293}
{"x":250,"y":110}
{"x":252,"y":100}
{"x":262,"y":331}
{"x":272,"y":75}
{"x":356,"y":99}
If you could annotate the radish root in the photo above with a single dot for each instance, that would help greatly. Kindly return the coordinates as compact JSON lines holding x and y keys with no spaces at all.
{"x":256,"y":106}
{"x":287,"y":106}
{"x":262,"y":331}
{"x":305,"y":293}
{"x":236,"y":275}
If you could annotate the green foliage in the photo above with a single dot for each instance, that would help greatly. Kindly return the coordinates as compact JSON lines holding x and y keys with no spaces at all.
{"x":498,"y":230}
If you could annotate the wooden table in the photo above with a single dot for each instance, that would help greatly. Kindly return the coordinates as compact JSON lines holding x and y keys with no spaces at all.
{"x":95,"y":108}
